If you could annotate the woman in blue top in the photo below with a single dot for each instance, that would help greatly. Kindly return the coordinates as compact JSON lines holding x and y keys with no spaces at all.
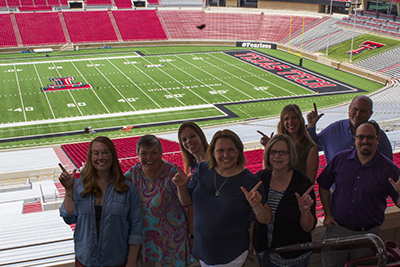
{"x":193,"y":144}
{"x":105,"y":207}
{"x":226,"y":199}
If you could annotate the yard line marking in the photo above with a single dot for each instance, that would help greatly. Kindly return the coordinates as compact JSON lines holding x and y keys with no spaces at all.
{"x":254,"y":75}
{"x":232,"y":74}
{"x":223,"y":95}
{"x":217,"y":78}
{"x":182,"y":83}
{"x":91,"y":88}
{"x":115,"y":88}
{"x":159,"y":83}
{"x":272,"y":95}
{"x":19,"y":90}
{"x":45,"y":93}
{"x":211,"y":88}
{"x":262,"y":78}
{"x":69,"y":91}
{"x":134,"y":83}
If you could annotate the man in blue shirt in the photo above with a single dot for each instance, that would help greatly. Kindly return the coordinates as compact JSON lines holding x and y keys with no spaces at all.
{"x":364,"y":179}
{"x":338,"y":136}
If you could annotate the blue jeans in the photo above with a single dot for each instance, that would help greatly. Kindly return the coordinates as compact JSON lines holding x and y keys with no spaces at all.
{"x":260,"y":257}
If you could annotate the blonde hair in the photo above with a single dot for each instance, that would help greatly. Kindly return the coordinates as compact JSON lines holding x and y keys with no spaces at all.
{"x":303,"y":134}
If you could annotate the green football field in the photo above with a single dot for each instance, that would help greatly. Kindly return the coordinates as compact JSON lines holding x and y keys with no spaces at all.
{"x":130,"y":89}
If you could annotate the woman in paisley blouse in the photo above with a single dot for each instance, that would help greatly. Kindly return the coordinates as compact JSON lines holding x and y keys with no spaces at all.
{"x":164,"y":218}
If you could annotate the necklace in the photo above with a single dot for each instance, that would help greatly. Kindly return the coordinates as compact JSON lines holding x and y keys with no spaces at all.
{"x":217,"y":191}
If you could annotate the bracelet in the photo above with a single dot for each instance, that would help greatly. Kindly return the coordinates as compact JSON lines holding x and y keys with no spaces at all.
{"x":71,"y":196}
{"x":303,"y":211}
{"x":257,"y":212}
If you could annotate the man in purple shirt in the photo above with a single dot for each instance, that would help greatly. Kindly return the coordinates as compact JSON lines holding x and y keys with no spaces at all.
{"x":364,"y":179}
{"x":339,"y":135}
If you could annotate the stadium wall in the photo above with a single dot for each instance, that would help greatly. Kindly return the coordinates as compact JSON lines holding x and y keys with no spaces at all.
{"x":291,"y":6}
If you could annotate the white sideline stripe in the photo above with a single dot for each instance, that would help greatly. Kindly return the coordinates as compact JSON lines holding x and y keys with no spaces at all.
{"x":115,"y":88}
{"x":19,"y":90}
{"x":135,"y":84}
{"x":162,"y":87}
{"x":66,"y":60}
{"x":137,"y":112}
{"x":208,"y":74}
{"x":45,"y":93}
{"x":181,"y":82}
{"x":91,"y":88}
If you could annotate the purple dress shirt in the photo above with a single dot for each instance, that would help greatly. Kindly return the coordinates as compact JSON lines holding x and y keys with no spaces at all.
{"x":361,"y":190}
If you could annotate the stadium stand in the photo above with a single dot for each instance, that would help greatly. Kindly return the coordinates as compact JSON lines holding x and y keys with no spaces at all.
{"x":276,"y":28}
{"x":39,"y":238}
{"x":121,"y":4}
{"x":386,"y":63}
{"x":97,"y":27}
{"x":230,"y":26}
{"x":7,"y":36}
{"x":40,"y":28}
{"x":137,"y":25}
{"x":181,"y":24}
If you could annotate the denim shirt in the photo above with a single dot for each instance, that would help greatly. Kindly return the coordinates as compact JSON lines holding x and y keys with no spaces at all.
{"x":121,"y":224}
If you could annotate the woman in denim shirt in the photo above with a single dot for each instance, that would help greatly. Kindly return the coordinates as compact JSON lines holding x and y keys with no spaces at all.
{"x":105,"y":207}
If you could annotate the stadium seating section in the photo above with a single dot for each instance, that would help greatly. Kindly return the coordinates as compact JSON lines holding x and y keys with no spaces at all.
{"x":60,"y":27}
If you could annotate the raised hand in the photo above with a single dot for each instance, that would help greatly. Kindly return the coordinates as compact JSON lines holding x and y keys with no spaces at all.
{"x":264,"y":139}
{"x":67,"y":179}
{"x":253,"y":197}
{"x":180,"y":179}
{"x":313,"y":117}
{"x":396,"y":185}
{"x":305,"y":201}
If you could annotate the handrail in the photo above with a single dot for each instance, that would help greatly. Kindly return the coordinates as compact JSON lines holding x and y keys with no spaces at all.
{"x":350,"y":240}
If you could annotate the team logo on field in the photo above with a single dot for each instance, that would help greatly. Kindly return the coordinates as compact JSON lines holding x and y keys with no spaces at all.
{"x":366,"y":45}
{"x":65,"y":83}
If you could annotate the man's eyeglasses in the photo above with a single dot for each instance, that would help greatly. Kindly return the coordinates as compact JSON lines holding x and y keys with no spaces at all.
{"x":369,"y":137}
{"x":280,"y":152}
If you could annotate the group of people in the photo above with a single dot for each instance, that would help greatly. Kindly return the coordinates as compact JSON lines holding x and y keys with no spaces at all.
{"x":218,"y":212}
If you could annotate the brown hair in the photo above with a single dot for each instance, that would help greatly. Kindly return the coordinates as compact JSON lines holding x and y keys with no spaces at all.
{"x":229,"y":135}
{"x":303,"y":134}
{"x":187,"y":157}
{"x":291,"y":149}
{"x":90,"y":173}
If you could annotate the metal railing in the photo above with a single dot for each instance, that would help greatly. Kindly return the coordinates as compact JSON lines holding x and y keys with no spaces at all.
{"x":342,"y":241}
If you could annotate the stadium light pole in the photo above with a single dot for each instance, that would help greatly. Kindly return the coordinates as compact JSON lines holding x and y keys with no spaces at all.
{"x":354,"y":27}
{"x":329,"y":26}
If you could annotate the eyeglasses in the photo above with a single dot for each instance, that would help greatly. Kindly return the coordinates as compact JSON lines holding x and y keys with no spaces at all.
{"x":280,"y":152}
{"x":369,"y":137}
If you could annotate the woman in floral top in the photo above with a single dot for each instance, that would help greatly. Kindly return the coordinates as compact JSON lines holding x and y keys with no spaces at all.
{"x":164,"y":218}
